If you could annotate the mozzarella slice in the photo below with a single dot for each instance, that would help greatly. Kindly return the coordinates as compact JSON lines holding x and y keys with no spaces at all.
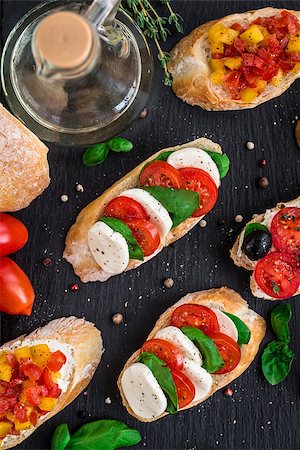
{"x":142,"y":391}
{"x":186,"y":347}
{"x":159,"y":216}
{"x":109,"y":248}
{"x":195,"y":157}
{"x":226,"y":324}
{"x":201,"y":379}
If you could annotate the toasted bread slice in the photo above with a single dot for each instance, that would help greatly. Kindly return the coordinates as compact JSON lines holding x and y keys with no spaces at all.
{"x":224,"y":299}
{"x":81,"y":342}
{"x":189,"y":66}
{"x":239,"y":257}
{"x":77,"y":250}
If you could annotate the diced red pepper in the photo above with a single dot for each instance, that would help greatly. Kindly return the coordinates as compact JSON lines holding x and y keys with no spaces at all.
{"x":239,"y":45}
{"x":33,"y":417}
{"x":237,"y":27}
{"x":46,"y":379}
{"x":57,"y":360}
{"x":32,"y":371}
{"x":4,"y":405}
{"x":20,"y":413}
{"x":12,"y":361}
{"x":55,"y":391}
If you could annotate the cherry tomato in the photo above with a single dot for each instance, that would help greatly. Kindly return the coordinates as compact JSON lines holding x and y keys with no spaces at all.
{"x":56,"y":361}
{"x":16,"y":292}
{"x":277,"y":274}
{"x":229,"y":350}
{"x":161,"y":173}
{"x":197,"y":316}
{"x":32,"y":371}
{"x":145,"y":233}
{"x":184,"y":387}
{"x":166,"y":351}
{"x":200,"y":181}
{"x":13,"y":234}
{"x":125,"y":208}
{"x":285,"y":230}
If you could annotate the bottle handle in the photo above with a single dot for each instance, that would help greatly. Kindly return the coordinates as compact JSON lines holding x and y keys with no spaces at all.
{"x":101,"y":14}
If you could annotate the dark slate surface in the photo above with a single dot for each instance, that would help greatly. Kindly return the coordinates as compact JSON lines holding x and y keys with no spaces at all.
{"x":258,"y":416}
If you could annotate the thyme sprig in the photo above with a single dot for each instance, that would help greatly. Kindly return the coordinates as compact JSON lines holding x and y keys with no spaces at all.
{"x":154,"y":26}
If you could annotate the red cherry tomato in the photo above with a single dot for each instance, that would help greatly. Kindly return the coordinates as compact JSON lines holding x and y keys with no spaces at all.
{"x":56,"y":361}
{"x":13,"y":234}
{"x":145,"y":233}
{"x":200,"y":181}
{"x":184,"y":387}
{"x":277,"y":274}
{"x":125,"y":208}
{"x":166,"y":351}
{"x":229,"y":350}
{"x":197,"y":316}
{"x":16,"y":292}
{"x":285,"y":230}
{"x":161,"y":173}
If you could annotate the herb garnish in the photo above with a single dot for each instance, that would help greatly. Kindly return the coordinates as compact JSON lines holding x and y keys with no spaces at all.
{"x":287,"y":217}
{"x":275,"y":287}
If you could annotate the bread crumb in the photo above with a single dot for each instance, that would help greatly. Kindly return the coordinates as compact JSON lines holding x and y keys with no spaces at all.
{"x":239,"y":218}
{"x":202,"y":223}
{"x":79,"y":188}
{"x":64,"y":198}
{"x":108,"y":401}
{"x":250,"y":145}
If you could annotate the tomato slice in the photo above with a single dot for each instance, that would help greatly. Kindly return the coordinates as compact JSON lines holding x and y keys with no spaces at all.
{"x":13,"y":234}
{"x":200,"y":181}
{"x":123,"y":207}
{"x":285,"y":230}
{"x":197,"y":316}
{"x":161,"y":173}
{"x":184,"y":387}
{"x":56,"y":361}
{"x":277,"y":274}
{"x":146,"y":234}
{"x":229,"y":350}
{"x":166,"y":351}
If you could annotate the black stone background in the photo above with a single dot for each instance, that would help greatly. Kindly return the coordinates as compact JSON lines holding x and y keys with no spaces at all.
{"x":258,"y":416}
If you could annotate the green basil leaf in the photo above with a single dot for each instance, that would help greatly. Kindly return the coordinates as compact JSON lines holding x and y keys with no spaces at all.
{"x":163,"y":156}
{"x":61,"y":437}
{"x":104,"y":434}
{"x":251,"y":227}
{"x":212,"y":360}
{"x":180,"y":203}
{"x":164,"y":378}
{"x":280,"y":317}
{"x":222,"y":161}
{"x":244,"y":334}
{"x":119,"y":144}
{"x":135,"y":251}
{"x":95,"y":154}
{"x":276,"y":361}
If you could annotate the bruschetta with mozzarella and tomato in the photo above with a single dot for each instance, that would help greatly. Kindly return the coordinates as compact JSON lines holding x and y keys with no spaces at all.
{"x":40,"y":374}
{"x":155,"y":204}
{"x":269,"y":245}
{"x":198,"y":346}
{"x":239,"y":61}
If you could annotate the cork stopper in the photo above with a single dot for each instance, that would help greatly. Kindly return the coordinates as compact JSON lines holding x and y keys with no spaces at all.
{"x":64,"y":40}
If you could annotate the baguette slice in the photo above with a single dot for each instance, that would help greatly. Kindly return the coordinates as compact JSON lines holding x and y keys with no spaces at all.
{"x":82,"y":343}
{"x":77,"y":250}
{"x":241,"y":260}
{"x":189,"y":66}
{"x":224,"y":299}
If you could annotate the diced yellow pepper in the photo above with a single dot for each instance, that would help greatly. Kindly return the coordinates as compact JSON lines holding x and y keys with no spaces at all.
{"x":217,"y":47}
{"x":220,"y":33}
{"x":217,"y":76}
{"x":233,"y":63}
{"x":40,"y":354}
{"x":5,"y":428}
{"x":248,"y":95}
{"x":293,"y":44}
{"x":260,"y":85}
{"x":10,"y":416}
{"x":214,"y":32}
{"x":252,"y":35}
{"x":55,"y":376}
{"x":296,"y":68}
{"x":47,"y":403}
{"x":20,"y":426}
{"x":277,"y":79}
{"x":5,"y":372}
{"x":216,"y":64}
{"x":264,"y":31}
{"x":22,"y":353}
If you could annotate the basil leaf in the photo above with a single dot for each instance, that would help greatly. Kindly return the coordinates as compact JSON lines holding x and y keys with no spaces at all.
{"x":276,"y":361}
{"x":104,"y":434}
{"x":61,"y":437}
{"x":135,"y":251}
{"x":119,"y":144}
{"x":222,"y":161}
{"x":164,"y":377}
{"x":212,"y":358}
{"x":251,"y":227}
{"x":163,"y":156}
{"x":244,"y":334}
{"x":280,"y":317}
{"x":95,"y":154}
{"x":180,"y":203}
